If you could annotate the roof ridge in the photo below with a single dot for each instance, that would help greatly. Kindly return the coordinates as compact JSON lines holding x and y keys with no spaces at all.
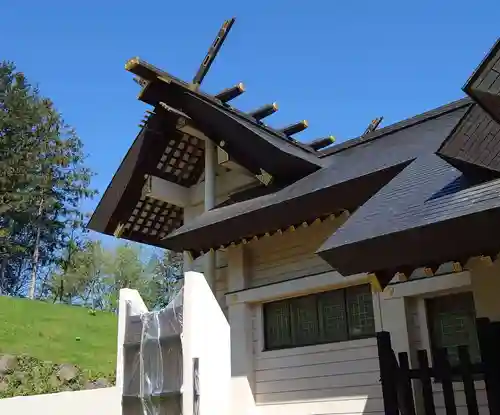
{"x":397,"y":126}
{"x":163,"y":76}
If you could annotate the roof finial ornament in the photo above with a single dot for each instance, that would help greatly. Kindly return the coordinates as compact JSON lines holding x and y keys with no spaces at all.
{"x":212,"y":53}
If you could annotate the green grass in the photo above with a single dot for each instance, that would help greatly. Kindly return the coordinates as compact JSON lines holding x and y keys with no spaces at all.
{"x":49,"y":332}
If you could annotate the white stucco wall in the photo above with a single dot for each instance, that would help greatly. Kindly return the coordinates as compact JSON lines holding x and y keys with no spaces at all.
{"x":106,"y":401}
{"x":206,"y":336}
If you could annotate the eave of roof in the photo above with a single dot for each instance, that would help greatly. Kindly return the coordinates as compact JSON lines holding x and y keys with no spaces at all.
{"x":164,"y":87}
{"x":155,"y":151}
{"x":484,"y":84}
{"x":427,"y":215}
{"x":352,"y":177}
{"x":255,"y":146}
{"x":249,"y":145}
{"x":475,"y":143}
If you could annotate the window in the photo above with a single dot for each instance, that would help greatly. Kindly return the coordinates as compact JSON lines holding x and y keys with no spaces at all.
{"x":452,"y":323}
{"x":328,"y":317}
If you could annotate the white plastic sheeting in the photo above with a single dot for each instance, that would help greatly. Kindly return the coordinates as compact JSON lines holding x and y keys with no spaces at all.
{"x":153,"y":361}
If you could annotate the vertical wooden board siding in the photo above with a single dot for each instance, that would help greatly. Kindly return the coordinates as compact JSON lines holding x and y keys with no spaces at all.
{"x":289,"y":255}
{"x":220,"y":261}
{"x":335,"y":378}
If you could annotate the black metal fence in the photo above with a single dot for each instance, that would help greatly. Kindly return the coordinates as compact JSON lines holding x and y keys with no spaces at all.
{"x":400,"y":380}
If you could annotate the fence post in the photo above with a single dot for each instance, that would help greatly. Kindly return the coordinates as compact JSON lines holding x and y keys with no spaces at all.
{"x":426,"y":381}
{"x":388,"y":373}
{"x":489,"y":343}
{"x":443,"y":371}
{"x":468,"y":380}
{"x":407,"y":406}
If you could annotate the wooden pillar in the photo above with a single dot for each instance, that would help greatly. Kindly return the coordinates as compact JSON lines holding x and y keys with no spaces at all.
{"x":210,"y":168}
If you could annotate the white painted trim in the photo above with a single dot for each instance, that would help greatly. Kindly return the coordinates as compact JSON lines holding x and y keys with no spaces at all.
{"x":425,"y":337}
{"x":296,"y":287}
{"x":166,"y":191}
{"x":259,"y":326}
{"x":428,"y":285}
{"x":377,"y":312}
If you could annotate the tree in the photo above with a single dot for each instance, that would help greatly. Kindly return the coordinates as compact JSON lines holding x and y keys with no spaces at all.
{"x":82,"y":277}
{"x":94,"y":276}
{"x":125,"y":269}
{"x":43,"y":179}
{"x":163,"y":283}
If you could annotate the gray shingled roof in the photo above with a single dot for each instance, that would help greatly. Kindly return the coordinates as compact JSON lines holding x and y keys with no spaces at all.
{"x":427,"y":192}
{"x":367,"y":159}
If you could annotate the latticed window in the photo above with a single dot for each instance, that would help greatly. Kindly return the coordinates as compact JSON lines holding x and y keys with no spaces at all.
{"x":327,"y":317}
{"x":452,"y":321}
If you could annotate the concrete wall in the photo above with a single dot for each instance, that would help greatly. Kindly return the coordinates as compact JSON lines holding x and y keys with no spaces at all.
{"x":206,"y":336}
{"x":105,"y":401}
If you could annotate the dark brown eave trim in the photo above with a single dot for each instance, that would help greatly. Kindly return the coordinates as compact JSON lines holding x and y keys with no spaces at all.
{"x":341,"y":197}
{"x":126,"y":186}
{"x":456,"y":239}
{"x":117,"y":187}
{"x":409,"y":122}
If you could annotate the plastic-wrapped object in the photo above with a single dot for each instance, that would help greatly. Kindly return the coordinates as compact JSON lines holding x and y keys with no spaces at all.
{"x":153,"y":361}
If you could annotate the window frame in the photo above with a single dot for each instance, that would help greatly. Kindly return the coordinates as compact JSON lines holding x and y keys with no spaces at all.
{"x":289,"y":301}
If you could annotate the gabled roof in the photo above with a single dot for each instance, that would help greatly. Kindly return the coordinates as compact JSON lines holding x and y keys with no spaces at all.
{"x":249,"y":144}
{"x":429,"y":210}
{"x":201,"y":107}
{"x":474,"y":144}
{"x":166,"y":149}
{"x":169,"y":155}
{"x":351,"y":178}
{"x":484,"y":84}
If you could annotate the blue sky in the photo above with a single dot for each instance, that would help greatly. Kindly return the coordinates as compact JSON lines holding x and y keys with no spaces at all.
{"x":337,"y":64}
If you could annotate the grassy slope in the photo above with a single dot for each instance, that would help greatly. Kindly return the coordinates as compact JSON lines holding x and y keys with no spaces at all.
{"x":49,"y":331}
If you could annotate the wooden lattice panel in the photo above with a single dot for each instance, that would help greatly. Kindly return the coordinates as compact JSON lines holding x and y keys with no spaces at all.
{"x":181,"y":159}
{"x":154,"y":218}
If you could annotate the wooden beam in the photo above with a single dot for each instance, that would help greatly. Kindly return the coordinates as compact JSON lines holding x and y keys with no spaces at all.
{"x":187,"y":127}
{"x":321,"y":143}
{"x":264,"y":111}
{"x":119,"y":230}
{"x":160,"y":189}
{"x":212,"y":51}
{"x":295,"y":128}
{"x":229,"y":94}
{"x":227,"y":183}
